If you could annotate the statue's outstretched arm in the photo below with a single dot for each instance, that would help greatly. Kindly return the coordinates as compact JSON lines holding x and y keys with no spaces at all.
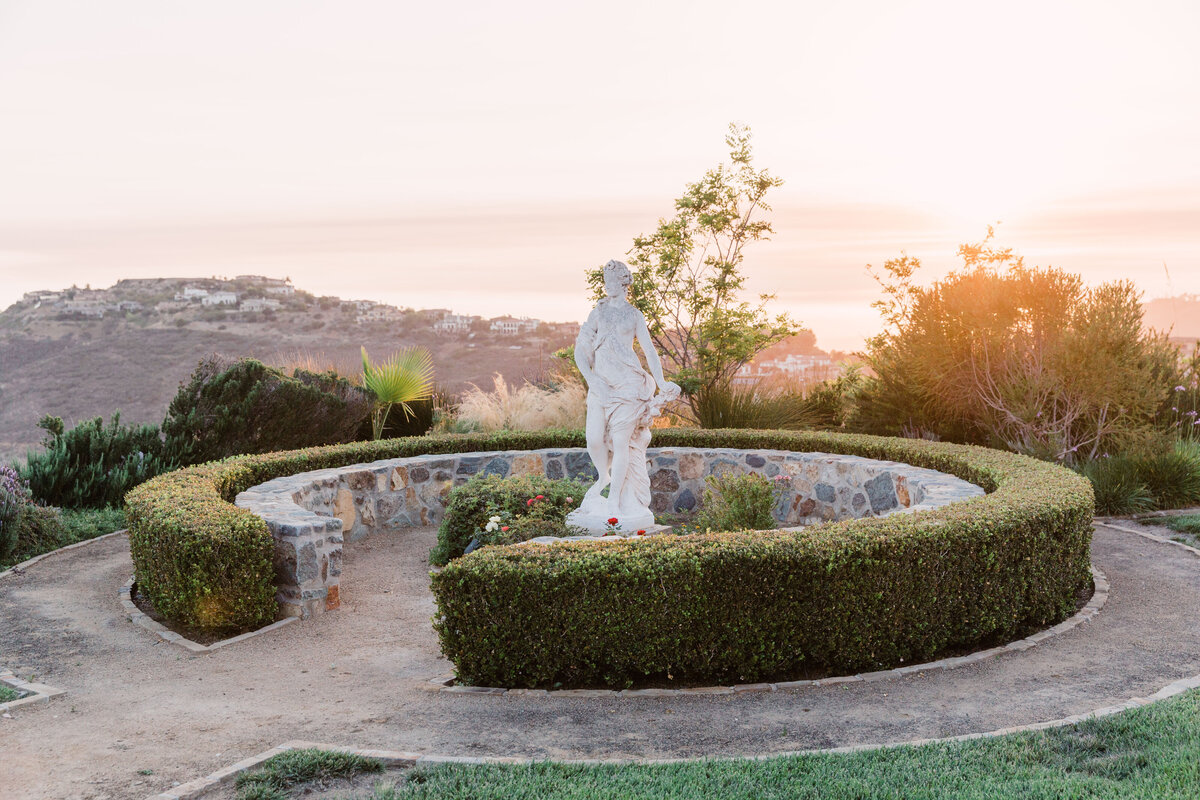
{"x":652,"y":359}
{"x":585,"y":348}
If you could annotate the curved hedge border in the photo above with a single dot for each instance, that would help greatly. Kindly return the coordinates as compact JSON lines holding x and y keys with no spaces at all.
{"x":858,"y":595}
{"x":847,"y":596}
{"x":203,"y":562}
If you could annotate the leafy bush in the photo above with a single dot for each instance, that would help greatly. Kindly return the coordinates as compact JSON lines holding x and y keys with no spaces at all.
{"x":247,"y":407}
{"x":93,"y":465}
{"x":848,"y":596}
{"x":470,"y":507}
{"x":14,"y":497}
{"x":1117,"y":484}
{"x":725,"y":406}
{"x":1028,"y":359}
{"x":739,"y":502}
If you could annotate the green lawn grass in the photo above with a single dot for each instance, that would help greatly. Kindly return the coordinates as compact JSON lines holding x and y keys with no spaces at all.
{"x":1151,"y":752}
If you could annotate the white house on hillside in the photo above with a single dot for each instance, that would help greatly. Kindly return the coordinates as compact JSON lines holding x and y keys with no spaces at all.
{"x":191,"y":293}
{"x":259,"y":304}
{"x":220,"y":299}
{"x":511,"y":326}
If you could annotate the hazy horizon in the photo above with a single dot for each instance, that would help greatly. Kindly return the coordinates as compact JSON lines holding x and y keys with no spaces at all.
{"x":479,"y":157}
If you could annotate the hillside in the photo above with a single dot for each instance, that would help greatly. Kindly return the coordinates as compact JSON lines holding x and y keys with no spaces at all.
{"x":87,"y":353}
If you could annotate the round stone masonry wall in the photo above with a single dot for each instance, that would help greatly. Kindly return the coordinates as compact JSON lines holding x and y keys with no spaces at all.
{"x":312,"y":513}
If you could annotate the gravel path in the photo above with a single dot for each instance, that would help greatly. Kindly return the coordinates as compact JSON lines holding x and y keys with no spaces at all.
{"x":360,"y":676}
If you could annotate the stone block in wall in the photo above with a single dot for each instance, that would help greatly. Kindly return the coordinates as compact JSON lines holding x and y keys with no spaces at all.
{"x":344,"y":509}
{"x":579,"y":466}
{"x":881,"y":492}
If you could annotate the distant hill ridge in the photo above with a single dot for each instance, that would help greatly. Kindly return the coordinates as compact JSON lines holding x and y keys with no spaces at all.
{"x":81,"y":352}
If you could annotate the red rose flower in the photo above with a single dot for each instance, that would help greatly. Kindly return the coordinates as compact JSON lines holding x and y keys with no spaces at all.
{"x":540,"y":497}
{"x":503,"y":527}
{"x":641,"y":533}
{"x":529,"y":502}
{"x":612,"y":521}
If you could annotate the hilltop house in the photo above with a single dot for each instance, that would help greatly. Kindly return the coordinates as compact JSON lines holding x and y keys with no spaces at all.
{"x":88,"y":307}
{"x":220,"y":299}
{"x":191,"y":293}
{"x":454,"y":323}
{"x":380,"y":313}
{"x":511,"y":326}
{"x":259,"y":304}
{"x":803,"y":370}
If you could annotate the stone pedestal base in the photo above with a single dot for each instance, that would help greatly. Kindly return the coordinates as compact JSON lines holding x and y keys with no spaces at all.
{"x":594,"y":520}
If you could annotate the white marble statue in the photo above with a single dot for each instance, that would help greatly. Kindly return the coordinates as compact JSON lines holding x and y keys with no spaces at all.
{"x":621,"y":404}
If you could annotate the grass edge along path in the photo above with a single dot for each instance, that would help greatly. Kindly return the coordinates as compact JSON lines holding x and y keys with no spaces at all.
{"x":1147,"y":752}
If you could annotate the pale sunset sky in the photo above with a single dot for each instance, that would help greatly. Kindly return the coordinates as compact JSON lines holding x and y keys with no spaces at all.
{"x":480,"y":156}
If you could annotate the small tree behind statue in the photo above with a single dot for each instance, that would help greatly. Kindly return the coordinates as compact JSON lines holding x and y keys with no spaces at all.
{"x":687,"y":281}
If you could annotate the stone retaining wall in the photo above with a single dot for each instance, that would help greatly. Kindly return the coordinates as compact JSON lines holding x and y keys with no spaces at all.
{"x":313,"y":513}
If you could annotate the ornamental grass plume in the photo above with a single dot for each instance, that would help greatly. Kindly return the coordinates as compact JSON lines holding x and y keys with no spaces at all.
{"x":529,"y":408}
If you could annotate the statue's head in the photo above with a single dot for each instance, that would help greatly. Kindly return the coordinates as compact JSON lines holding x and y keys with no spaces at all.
{"x":616,"y":278}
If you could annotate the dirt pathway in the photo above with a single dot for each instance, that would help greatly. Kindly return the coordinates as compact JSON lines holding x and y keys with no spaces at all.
{"x":360,"y":676}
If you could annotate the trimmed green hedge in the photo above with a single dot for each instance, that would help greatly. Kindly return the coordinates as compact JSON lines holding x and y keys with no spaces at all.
{"x":845,"y":597}
{"x":204,"y":562}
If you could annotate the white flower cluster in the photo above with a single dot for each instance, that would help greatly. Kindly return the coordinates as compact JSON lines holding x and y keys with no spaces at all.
{"x":493,"y":524}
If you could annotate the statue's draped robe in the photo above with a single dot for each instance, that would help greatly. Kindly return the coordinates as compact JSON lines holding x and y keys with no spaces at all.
{"x":624,"y":399}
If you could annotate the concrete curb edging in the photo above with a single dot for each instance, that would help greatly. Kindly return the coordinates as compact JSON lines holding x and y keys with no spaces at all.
{"x":138,"y":617}
{"x":196,"y":788}
{"x":17,"y":569}
{"x":445,"y":683}
{"x":38,"y":692}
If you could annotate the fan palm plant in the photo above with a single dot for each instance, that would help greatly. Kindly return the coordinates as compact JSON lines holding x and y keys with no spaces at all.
{"x":404,"y":378}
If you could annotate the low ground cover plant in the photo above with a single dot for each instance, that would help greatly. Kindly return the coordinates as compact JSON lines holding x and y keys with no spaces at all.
{"x":740,"y":502}
{"x":489,"y":509}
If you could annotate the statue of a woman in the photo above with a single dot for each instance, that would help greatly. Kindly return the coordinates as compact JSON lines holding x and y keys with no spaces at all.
{"x":621,"y":404}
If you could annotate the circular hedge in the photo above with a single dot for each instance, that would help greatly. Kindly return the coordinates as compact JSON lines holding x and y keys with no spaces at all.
{"x":841,"y":597}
